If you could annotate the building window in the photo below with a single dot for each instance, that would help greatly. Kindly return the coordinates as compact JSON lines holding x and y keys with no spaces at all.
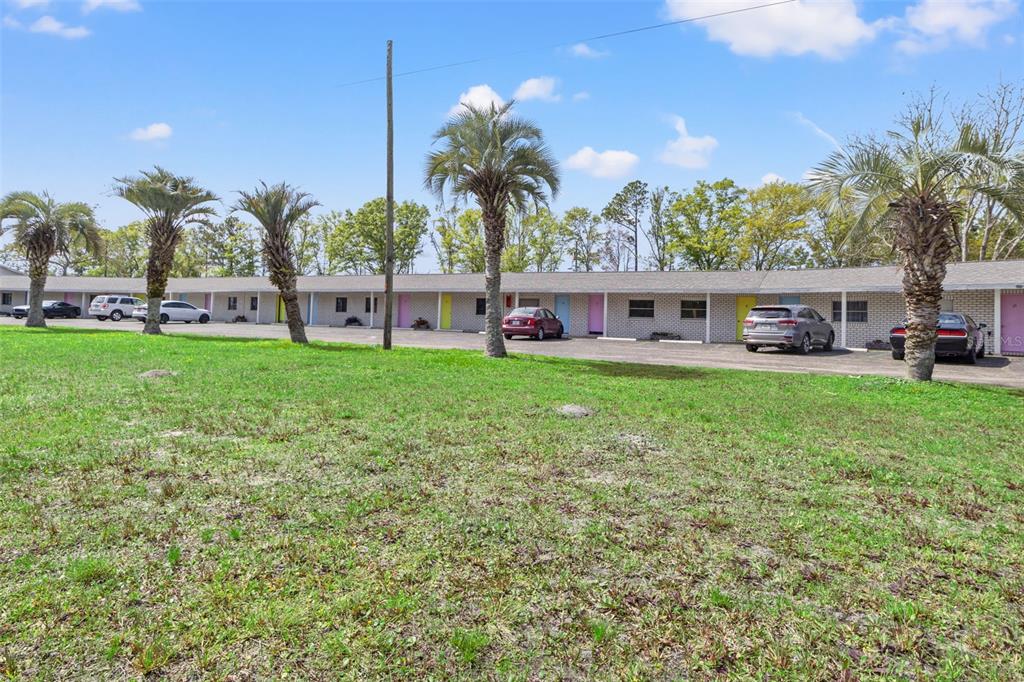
{"x":254,"y":303}
{"x":232,"y":303}
{"x":481,"y":306}
{"x":693,"y":310}
{"x":341,"y":304}
{"x":641,"y":307}
{"x":789,"y":300}
{"x":368,"y":304}
{"x":529,"y":303}
{"x":5,"y":299}
{"x":856,"y":311}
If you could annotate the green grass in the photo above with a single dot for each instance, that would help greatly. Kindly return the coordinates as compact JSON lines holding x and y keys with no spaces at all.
{"x":337,"y":511}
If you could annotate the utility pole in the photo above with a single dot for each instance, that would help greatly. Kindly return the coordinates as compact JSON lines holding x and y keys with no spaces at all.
{"x":389,"y":253}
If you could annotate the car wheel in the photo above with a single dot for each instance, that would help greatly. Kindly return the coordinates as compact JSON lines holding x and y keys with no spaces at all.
{"x":971,"y":356}
{"x":805,"y":345}
{"x":561,"y":332}
{"x":508,"y":337}
{"x":897,"y":355}
{"x":101,"y":318}
{"x":116,"y":315}
{"x":540,"y":334}
{"x":831,"y":341}
{"x":981,"y":351}
{"x":164,"y":319}
{"x":203,"y":319}
{"x":751,"y":348}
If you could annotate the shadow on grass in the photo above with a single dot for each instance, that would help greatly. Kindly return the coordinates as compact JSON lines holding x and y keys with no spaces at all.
{"x":633,"y":370}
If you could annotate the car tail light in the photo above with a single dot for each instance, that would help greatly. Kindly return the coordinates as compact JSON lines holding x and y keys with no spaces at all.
{"x":748,"y":322}
{"x":786,"y":323}
{"x":531,"y":322}
{"x":103,"y":307}
{"x":898,"y":331}
{"x":952,"y":332}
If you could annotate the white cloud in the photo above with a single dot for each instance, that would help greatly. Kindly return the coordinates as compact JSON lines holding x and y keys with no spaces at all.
{"x":586,"y":51}
{"x":118,"y":5}
{"x":49,"y":25}
{"x":11,"y":22}
{"x":25,"y":4}
{"x":479,"y":96}
{"x":769,"y":178}
{"x":542,"y":88}
{"x":829,"y":29}
{"x":688,"y":151}
{"x":804,"y":121}
{"x":154,"y":131}
{"x":580,"y":96}
{"x":935,"y":24}
{"x":612,"y":163}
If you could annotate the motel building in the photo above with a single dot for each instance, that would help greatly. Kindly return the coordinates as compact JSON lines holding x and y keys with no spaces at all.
{"x":701,"y":307}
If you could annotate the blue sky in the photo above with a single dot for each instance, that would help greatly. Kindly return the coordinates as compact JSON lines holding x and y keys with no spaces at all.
{"x":233,"y":92}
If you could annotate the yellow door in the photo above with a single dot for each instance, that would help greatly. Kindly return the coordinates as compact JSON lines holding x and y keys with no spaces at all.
{"x":446,"y":311}
{"x":743,"y":306}
{"x":280,"y":310}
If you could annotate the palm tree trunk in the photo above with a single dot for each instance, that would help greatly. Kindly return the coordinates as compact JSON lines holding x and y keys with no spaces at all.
{"x":925,"y":246}
{"x":494,"y":238}
{"x":157,"y":270}
{"x":293,"y":315}
{"x":36,"y":289}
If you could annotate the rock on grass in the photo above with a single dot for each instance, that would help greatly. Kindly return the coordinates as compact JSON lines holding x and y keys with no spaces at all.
{"x":574,"y":411}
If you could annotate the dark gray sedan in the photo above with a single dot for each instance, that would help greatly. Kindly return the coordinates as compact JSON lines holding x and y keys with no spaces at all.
{"x":787,"y":326}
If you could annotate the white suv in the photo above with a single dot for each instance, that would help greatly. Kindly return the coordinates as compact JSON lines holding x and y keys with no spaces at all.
{"x":175,"y":311}
{"x":115,"y":307}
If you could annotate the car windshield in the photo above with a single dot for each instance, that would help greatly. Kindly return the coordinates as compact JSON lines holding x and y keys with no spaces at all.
{"x":523,"y":312}
{"x":950,"y":319}
{"x":47,"y":304}
{"x":770,"y":313}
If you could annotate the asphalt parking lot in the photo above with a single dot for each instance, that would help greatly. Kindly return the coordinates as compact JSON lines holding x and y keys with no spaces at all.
{"x":1002,"y":371}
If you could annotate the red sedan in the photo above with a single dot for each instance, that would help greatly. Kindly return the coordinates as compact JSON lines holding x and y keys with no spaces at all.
{"x":538,"y":323}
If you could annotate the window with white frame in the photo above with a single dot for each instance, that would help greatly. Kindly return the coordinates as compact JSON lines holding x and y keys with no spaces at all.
{"x":5,"y":298}
{"x":529,"y":303}
{"x":642,"y":307}
{"x":254,"y":303}
{"x":232,"y":303}
{"x":481,"y":306}
{"x":341,"y":304}
{"x":368,"y":299}
{"x":693,"y":310}
{"x":856,"y":311}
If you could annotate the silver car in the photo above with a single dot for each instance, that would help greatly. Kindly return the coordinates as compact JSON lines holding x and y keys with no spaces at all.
{"x":787,"y":326}
{"x":115,"y":307}
{"x":175,"y":311}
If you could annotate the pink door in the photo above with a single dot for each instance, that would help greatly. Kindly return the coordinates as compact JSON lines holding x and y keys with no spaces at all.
{"x":404,"y":311}
{"x":595,"y":314}
{"x":69,"y":298}
{"x":1011,"y":330}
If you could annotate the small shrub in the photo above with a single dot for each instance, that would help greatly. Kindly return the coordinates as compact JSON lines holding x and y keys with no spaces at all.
{"x":86,"y":570}
{"x":601,"y":631}
{"x":469,"y":644}
{"x":174,"y":555}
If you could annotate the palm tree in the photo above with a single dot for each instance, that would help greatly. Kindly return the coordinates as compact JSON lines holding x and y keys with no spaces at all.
{"x":171,"y":204}
{"x":44,"y":228}
{"x":907,"y":185}
{"x":278,"y":208}
{"x":502,"y":161}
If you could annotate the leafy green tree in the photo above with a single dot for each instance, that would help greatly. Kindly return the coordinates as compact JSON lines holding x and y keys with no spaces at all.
{"x":501,"y":161}
{"x":343,"y":251}
{"x":583,"y":234}
{"x":361,"y":240}
{"x":658,"y":228}
{"x":516,"y":256}
{"x":124,"y":251}
{"x":42,"y":229}
{"x":626,"y":211}
{"x":172,"y":204}
{"x":228,"y":248}
{"x":277,"y":209}
{"x":704,"y":224}
{"x":833,"y":241}
{"x":445,"y":238}
{"x":546,"y":240}
{"x":773,"y":226}
{"x":909,"y":185}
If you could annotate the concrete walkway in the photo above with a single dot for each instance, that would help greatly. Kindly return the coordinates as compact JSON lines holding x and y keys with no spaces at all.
{"x":1003,"y":371}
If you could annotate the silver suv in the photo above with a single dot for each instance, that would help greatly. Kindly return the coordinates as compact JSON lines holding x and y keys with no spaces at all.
{"x":787,"y":326}
{"x":116,"y":307}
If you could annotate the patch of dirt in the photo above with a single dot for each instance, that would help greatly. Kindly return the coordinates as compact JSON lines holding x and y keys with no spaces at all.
{"x":574,"y":411}
{"x":637,"y":443}
{"x":157,"y":374}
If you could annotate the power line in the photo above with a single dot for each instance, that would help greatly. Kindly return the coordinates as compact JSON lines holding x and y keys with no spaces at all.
{"x":603,"y":36}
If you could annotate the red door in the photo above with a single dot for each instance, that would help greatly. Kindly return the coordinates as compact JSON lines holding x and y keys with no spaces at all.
{"x":1011,"y":331}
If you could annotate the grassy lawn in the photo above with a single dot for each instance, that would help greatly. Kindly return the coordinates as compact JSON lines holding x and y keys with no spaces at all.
{"x":335,"y":511}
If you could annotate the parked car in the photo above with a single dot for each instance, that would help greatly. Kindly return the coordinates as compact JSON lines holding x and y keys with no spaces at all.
{"x":959,"y":336}
{"x":538,"y":323}
{"x":115,"y":307}
{"x":787,"y":326}
{"x":50,"y":309}
{"x":175,"y":311}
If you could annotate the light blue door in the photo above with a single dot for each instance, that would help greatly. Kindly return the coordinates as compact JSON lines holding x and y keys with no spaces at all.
{"x":789,"y":300}
{"x":562,"y":311}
